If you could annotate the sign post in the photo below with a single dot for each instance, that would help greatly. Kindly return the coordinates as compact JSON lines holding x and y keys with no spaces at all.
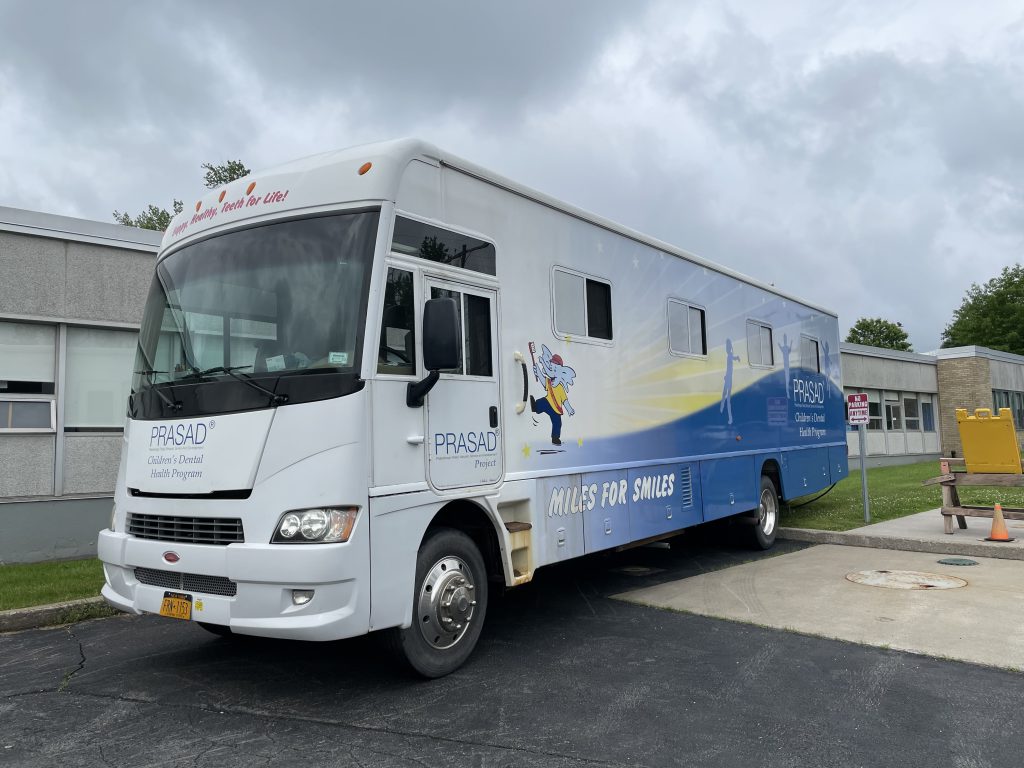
{"x":857,"y":411}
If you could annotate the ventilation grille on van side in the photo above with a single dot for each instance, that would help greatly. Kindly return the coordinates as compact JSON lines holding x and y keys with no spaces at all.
{"x":685,"y":487}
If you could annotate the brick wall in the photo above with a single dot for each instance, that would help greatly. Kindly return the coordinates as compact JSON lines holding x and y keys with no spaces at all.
{"x":964,"y":382}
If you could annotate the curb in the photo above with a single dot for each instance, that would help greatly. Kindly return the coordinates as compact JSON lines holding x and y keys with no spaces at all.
{"x":848,"y":539}
{"x":46,"y":615}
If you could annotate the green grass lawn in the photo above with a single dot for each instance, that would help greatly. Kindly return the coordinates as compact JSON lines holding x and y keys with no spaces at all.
{"x":23,"y":585}
{"x":893,"y":492}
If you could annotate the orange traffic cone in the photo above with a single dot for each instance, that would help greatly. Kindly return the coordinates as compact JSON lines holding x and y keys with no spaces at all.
{"x":999,"y":532}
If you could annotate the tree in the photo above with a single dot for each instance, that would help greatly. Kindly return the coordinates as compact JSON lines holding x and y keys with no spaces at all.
{"x":878,"y":332}
{"x":991,"y":315}
{"x":216,"y":175}
{"x":159,"y":218}
{"x":151,"y":218}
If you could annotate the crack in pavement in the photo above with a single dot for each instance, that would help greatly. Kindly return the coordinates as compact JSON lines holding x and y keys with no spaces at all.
{"x":243,"y":711}
{"x":66,"y":680}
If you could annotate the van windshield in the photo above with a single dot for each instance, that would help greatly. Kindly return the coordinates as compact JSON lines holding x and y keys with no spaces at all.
{"x":249,"y":310}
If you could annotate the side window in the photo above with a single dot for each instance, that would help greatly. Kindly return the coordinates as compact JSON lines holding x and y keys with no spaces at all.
{"x":477,"y":328}
{"x":425,"y":241}
{"x":475,"y":357}
{"x":760,"y":352}
{"x":582,"y":305}
{"x":687,"y":332}
{"x":397,"y":351}
{"x":809,"y":357}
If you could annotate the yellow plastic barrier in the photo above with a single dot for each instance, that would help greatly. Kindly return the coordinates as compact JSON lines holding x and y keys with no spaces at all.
{"x":989,"y":442}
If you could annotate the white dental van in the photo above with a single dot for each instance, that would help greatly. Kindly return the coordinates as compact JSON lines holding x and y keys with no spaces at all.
{"x":373,"y":384}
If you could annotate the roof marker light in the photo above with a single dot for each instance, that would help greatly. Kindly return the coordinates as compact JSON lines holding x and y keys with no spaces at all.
{"x":364,"y":168}
{"x":199,"y":204}
{"x":250,"y":188}
{"x":221,"y":198}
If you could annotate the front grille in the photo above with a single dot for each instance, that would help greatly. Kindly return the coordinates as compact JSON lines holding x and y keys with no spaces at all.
{"x":187,"y":582}
{"x":187,"y":530}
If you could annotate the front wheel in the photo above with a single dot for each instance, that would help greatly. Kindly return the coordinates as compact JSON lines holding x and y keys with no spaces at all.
{"x":766,"y":524}
{"x":449,"y":605}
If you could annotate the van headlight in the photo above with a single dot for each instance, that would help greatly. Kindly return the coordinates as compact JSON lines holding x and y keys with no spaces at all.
{"x":113,"y":517}
{"x":315,"y":526}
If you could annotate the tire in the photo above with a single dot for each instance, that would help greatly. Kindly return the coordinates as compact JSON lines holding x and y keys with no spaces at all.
{"x":449,"y":605}
{"x":218,"y":629}
{"x":766,"y":516}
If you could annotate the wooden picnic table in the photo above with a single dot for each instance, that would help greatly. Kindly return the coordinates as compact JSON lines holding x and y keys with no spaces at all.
{"x":951,"y":506}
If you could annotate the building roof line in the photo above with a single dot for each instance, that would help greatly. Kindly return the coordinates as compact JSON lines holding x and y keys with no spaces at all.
{"x":57,"y":227}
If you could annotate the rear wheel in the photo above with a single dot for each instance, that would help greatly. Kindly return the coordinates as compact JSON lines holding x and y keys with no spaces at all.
{"x":449,"y":605}
{"x":766,"y":524}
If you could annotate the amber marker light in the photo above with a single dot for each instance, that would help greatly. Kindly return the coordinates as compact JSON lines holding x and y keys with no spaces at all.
{"x":199,"y":204}
{"x":221,"y":198}
{"x":364,"y":168}
{"x":250,"y":188}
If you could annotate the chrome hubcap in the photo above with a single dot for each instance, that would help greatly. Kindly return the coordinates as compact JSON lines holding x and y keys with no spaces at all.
{"x":446,"y":602}
{"x":768,"y":512}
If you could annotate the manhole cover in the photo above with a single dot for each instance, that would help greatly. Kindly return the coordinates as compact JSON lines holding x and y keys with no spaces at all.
{"x":957,"y":561}
{"x":905,"y":580}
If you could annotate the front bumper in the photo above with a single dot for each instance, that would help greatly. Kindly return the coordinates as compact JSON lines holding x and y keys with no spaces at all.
{"x":264,"y":575}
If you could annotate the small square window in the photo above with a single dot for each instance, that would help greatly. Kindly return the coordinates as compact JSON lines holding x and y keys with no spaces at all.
{"x":810,"y":358}
{"x":687,"y":333}
{"x":759,"y":345}
{"x":582,"y":306}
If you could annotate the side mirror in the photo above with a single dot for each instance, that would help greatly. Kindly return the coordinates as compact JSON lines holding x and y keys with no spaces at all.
{"x":441,"y":346}
{"x":441,"y":337}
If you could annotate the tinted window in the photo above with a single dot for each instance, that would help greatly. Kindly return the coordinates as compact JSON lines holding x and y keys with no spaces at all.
{"x":414,"y":238}
{"x":397,"y":351}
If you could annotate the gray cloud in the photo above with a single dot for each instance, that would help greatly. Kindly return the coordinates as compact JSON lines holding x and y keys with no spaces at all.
{"x":861,"y":155}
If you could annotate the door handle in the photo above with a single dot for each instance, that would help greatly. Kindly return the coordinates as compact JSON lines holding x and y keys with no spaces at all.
{"x":521,"y":406}
{"x":493,"y":413}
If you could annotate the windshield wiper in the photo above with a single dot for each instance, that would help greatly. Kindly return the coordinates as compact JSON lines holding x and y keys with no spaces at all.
{"x":276,"y":398}
{"x":174,"y":405}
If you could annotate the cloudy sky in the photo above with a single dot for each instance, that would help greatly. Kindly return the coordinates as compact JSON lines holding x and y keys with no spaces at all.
{"x":868,"y":156}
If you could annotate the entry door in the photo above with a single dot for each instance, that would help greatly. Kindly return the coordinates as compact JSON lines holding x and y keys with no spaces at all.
{"x":464,"y":435}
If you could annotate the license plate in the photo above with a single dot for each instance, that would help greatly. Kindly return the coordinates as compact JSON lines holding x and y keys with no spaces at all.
{"x":176,"y":605}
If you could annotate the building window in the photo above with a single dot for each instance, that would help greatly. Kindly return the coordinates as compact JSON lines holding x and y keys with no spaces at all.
{"x":927,"y":415}
{"x":911,"y":413}
{"x":759,"y":345}
{"x":687,"y":333}
{"x":583,"y":306}
{"x":1002,"y":398}
{"x":893,"y":413}
{"x":809,"y":357}
{"x":414,"y":238}
{"x":27,"y":365}
{"x":26,"y":415}
{"x":27,"y":358}
{"x":874,"y":411}
{"x":98,"y":378}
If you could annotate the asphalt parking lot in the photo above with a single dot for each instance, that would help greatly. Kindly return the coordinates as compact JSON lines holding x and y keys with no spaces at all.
{"x":563,"y":676}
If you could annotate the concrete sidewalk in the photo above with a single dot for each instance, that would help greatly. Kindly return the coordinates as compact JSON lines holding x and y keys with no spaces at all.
{"x":922,"y":533}
{"x":808,"y":592}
